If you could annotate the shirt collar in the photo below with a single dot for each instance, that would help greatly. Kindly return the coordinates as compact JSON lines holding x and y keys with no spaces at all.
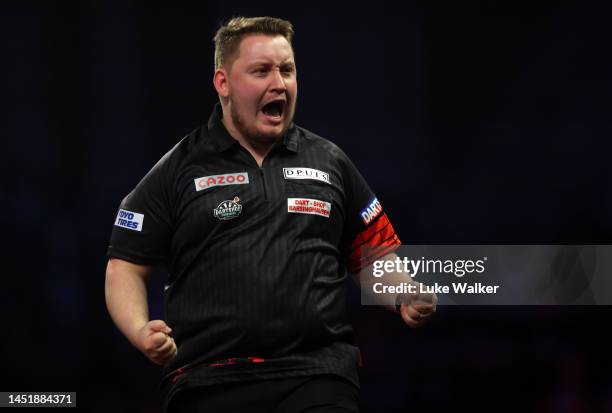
{"x":224,"y":141}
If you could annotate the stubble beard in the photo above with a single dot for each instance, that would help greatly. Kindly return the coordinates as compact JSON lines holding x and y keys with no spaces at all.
{"x":252,"y":134}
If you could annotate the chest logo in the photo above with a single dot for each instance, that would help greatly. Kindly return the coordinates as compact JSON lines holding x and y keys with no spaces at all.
{"x":306,"y":173}
{"x":308,"y":206}
{"x":228,"y":209}
{"x":236,"y":178}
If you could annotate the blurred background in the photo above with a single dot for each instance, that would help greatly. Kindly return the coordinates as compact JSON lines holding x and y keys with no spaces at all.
{"x":476,"y":122}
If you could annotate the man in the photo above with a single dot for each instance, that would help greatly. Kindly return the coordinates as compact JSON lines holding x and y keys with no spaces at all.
{"x":258,"y":222}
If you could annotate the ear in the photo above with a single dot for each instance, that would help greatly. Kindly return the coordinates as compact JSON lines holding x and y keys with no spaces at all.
{"x":221,"y":82}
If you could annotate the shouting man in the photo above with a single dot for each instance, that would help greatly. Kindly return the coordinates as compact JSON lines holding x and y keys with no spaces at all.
{"x":258,"y":223}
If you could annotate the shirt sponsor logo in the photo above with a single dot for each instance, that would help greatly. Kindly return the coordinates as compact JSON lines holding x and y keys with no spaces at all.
{"x":228,"y":209}
{"x":371,"y":211}
{"x":306,"y":173}
{"x":236,"y":178}
{"x":129,"y":220}
{"x":308,"y":206}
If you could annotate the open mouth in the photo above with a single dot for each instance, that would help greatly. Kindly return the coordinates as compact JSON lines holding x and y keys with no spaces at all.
{"x":274,"y":109}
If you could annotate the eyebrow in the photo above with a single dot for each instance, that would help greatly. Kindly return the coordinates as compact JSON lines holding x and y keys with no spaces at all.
{"x":268,"y":63}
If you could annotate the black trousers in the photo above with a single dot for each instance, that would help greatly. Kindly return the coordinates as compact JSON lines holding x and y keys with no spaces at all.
{"x":316,"y":394}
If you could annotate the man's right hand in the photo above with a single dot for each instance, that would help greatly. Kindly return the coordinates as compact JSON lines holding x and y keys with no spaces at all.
{"x":155,"y":342}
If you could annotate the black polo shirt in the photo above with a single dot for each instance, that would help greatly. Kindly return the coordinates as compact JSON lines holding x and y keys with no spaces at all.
{"x":257,"y":256}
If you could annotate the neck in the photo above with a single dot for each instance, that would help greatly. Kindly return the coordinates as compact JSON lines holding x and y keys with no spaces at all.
{"x":258,"y":149}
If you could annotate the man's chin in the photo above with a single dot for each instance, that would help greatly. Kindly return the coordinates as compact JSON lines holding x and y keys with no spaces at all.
{"x":270,"y":135}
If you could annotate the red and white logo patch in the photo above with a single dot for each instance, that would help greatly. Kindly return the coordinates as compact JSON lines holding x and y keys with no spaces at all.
{"x":207,"y":182}
{"x":308,"y":206}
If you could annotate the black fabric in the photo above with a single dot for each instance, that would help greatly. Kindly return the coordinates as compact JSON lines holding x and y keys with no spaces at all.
{"x":251,"y":274}
{"x":319,"y":394}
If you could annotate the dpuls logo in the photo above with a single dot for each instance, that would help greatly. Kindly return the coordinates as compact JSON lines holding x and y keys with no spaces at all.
{"x":228,"y":209}
{"x":306,"y":173}
{"x":130,"y":220}
{"x":207,"y":182}
{"x":371,"y":211}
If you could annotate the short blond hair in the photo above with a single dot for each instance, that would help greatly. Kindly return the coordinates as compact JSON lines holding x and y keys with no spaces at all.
{"x":228,"y":37}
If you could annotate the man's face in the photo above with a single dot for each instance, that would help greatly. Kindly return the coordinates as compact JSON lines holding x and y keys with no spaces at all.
{"x":262,"y":88}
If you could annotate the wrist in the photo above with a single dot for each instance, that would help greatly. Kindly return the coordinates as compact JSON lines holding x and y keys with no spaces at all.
{"x":137,"y":333}
{"x":398,"y":303}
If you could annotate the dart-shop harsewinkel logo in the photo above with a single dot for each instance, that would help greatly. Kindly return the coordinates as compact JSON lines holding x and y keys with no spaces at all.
{"x":228,"y":209}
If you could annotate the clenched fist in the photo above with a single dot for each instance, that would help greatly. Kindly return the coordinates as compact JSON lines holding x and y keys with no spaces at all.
{"x":155,"y":342}
{"x":416,"y":309}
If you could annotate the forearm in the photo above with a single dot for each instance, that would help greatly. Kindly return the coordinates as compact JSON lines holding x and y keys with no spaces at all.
{"x":367,"y":281}
{"x":126,"y":297}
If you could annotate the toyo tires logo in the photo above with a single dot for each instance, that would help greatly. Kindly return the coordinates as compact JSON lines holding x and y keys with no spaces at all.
{"x":228,"y":209}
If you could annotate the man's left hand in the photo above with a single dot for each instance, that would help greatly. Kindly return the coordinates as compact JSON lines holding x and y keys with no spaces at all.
{"x":419,"y":310}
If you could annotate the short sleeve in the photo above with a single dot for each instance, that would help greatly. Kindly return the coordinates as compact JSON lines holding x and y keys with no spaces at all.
{"x":368,"y":233}
{"x":143,"y":225}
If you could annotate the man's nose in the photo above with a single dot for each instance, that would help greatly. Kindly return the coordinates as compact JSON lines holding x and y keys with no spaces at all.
{"x":277,"y":83}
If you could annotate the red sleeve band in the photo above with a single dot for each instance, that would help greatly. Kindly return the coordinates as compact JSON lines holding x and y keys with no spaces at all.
{"x":377,"y":240}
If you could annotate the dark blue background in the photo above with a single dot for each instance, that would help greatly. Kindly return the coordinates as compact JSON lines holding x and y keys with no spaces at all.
{"x":475,"y":123}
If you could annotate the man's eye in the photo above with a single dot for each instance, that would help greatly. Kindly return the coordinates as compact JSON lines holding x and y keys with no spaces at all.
{"x":260,"y":72}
